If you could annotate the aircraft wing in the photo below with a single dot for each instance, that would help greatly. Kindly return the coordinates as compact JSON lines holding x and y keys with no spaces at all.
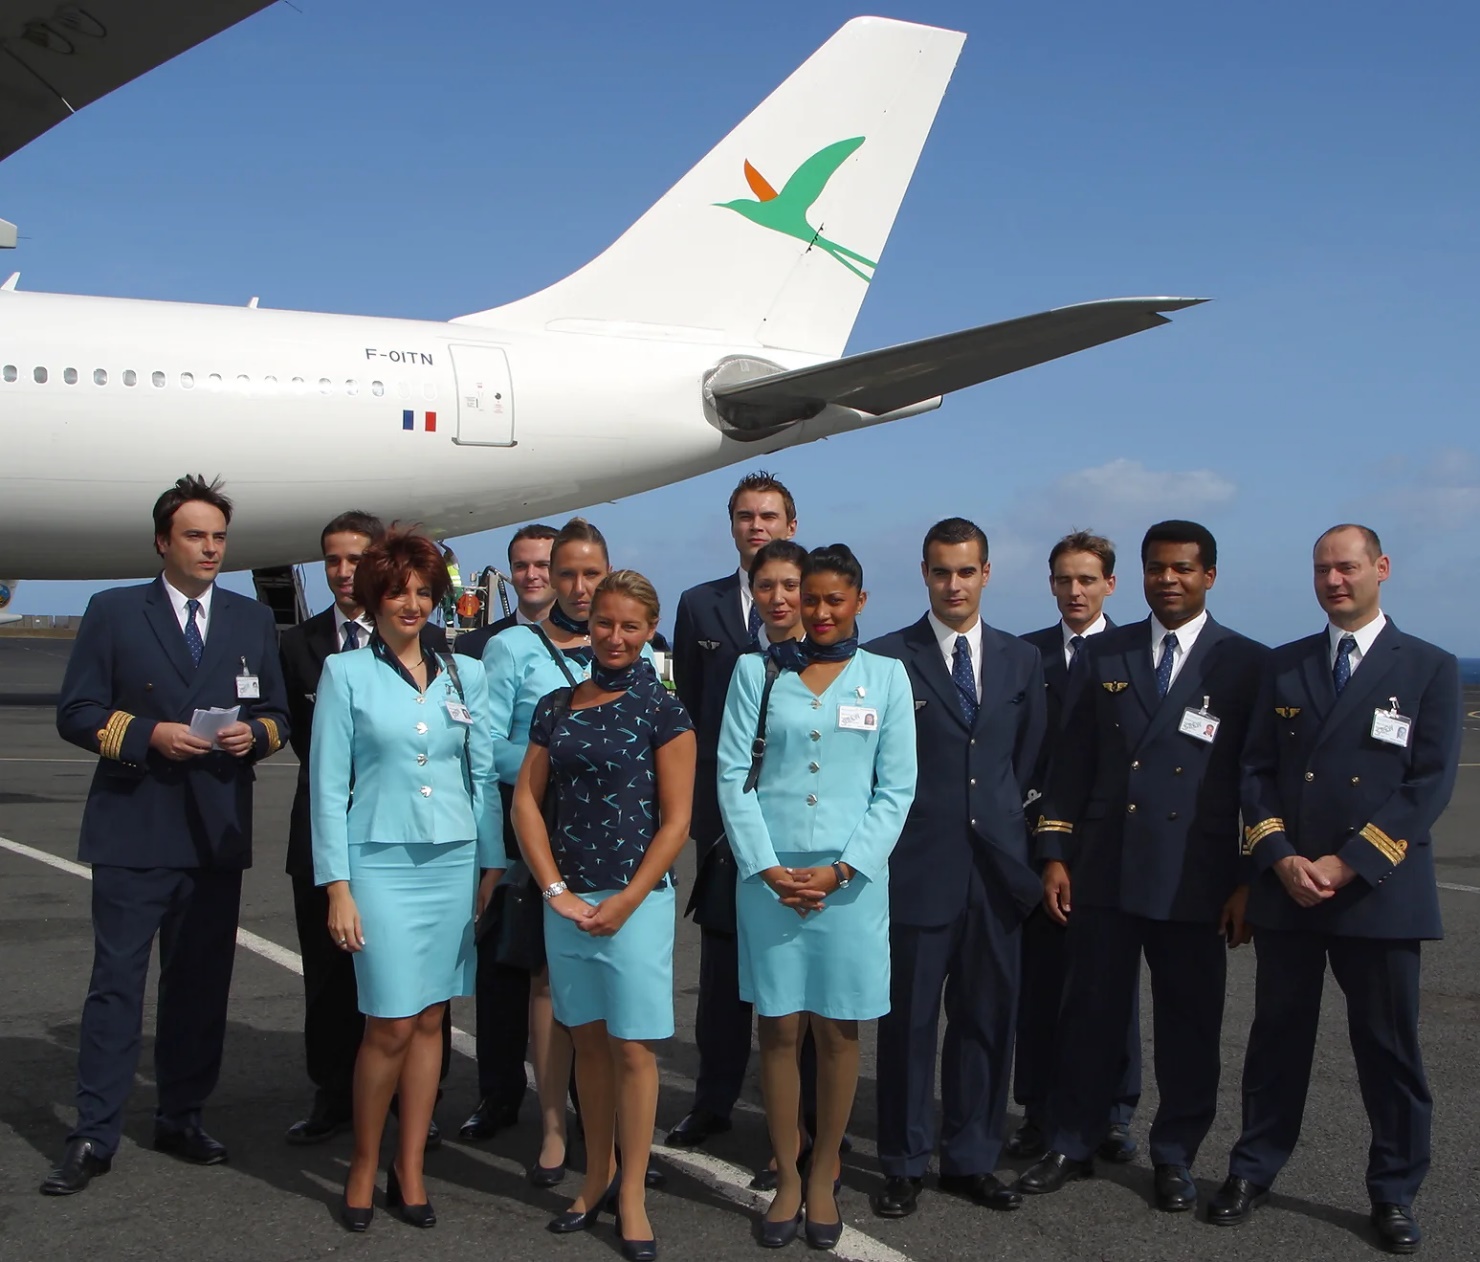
{"x":56,"y":57}
{"x":884,"y":381}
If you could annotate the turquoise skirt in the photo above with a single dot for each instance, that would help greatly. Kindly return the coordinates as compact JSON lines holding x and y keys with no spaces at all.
{"x":625,"y":980}
{"x":416,"y":911}
{"x":834,"y":962}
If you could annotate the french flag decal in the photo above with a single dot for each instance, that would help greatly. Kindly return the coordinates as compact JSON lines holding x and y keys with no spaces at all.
{"x":426,"y":421}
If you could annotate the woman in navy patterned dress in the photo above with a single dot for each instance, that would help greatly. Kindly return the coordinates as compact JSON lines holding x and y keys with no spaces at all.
{"x":619,"y":750}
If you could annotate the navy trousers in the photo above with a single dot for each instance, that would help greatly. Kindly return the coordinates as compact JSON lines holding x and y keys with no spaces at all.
{"x":194,"y":913}
{"x":332,"y":1022}
{"x":1040,"y":1000}
{"x":721,"y":1024}
{"x":1380,"y":980}
{"x":1188,"y":963}
{"x":974,"y":963}
{"x":502,"y":1003}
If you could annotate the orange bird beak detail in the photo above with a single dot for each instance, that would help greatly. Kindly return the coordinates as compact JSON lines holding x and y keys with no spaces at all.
{"x":758,"y":184}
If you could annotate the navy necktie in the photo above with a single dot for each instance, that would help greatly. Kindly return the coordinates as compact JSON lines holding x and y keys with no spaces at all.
{"x":1341,"y":673}
{"x":193,"y":642}
{"x":1164,"y":667}
{"x":964,"y":679}
{"x":1076,"y":642}
{"x":351,"y":637}
{"x":753,"y":623}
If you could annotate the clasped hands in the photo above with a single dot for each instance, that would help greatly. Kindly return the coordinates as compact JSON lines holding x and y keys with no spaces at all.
{"x":801,"y":889}
{"x":1312,"y":881}
{"x":179,"y":744}
{"x":600,"y":920}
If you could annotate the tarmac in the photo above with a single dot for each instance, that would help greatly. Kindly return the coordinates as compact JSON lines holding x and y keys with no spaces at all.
{"x":275,"y":1203}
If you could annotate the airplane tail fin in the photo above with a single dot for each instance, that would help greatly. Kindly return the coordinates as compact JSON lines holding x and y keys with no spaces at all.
{"x":772,"y":239}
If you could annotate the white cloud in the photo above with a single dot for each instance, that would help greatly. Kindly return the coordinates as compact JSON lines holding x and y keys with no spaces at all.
{"x":1110,"y":490}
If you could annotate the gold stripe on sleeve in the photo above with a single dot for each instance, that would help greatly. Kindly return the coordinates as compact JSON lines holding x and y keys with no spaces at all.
{"x":1054,"y":826}
{"x":110,"y":738}
{"x":274,"y":740}
{"x":1258,"y":832}
{"x":1393,"y":851}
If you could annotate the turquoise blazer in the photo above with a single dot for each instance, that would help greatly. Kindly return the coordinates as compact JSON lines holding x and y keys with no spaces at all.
{"x":520,"y":674}
{"x":823,"y":790}
{"x":384,"y":767}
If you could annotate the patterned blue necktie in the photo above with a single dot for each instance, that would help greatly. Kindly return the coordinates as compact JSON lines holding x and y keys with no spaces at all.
{"x":193,"y":642}
{"x":1076,"y":642}
{"x":965,"y":681}
{"x":1164,"y":667}
{"x":1341,"y":673}
{"x":351,"y":637}
{"x":753,"y":623}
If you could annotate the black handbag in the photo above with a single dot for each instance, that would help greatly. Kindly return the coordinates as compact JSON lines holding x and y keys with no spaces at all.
{"x":513,"y":923}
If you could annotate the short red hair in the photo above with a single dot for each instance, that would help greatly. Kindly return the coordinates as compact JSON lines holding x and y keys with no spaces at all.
{"x":389,"y":563}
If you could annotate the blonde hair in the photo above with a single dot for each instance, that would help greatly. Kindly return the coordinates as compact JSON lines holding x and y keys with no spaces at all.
{"x":634,"y":586}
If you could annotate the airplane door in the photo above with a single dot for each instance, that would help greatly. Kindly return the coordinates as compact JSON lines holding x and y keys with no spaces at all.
{"x":485,"y":400}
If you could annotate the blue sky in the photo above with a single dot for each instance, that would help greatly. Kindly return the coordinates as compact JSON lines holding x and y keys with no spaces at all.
{"x":1311,"y":168}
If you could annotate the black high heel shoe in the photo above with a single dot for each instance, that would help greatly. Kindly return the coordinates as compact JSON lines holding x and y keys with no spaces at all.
{"x":636,"y":1250}
{"x":777,"y":1235}
{"x":417,"y":1215}
{"x":584,"y":1219}
{"x":825,"y":1235}
{"x":355,"y":1217}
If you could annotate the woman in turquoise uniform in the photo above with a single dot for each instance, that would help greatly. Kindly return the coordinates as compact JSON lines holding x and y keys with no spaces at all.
{"x":619,"y":750}
{"x":523,"y":665}
{"x":405,"y":813}
{"x":812,"y":837}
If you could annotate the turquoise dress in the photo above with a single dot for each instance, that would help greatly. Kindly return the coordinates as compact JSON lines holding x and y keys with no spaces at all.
{"x":603,"y":766}
{"x":836,"y":784}
{"x":405,"y":809}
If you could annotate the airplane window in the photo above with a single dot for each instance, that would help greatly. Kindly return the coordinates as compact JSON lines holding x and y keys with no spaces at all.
{"x":299,"y":385}
{"x":69,"y":375}
{"x":325,"y":386}
{"x":40,"y":376}
{"x":130,"y":377}
{"x":213,"y":382}
{"x":269,"y":382}
{"x":377,"y":388}
{"x":187,"y":381}
{"x":403,"y":389}
{"x":158,"y":379}
{"x":10,"y":372}
{"x":352,"y":386}
{"x":429,"y":390}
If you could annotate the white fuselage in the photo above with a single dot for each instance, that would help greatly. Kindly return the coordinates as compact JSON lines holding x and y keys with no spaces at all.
{"x":105,"y":402}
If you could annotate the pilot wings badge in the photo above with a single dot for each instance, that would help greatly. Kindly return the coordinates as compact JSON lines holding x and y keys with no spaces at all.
{"x":1115,"y":685}
{"x":1287,"y":711}
{"x":711,"y":645}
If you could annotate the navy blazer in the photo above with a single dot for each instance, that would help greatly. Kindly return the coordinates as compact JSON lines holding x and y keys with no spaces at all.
{"x":968,"y":807}
{"x":1146,"y":818}
{"x":130,"y":671}
{"x":709,"y":637}
{"x":1316,"y":782}
{"x":1056,"y":683}
{"x":302,"y":650}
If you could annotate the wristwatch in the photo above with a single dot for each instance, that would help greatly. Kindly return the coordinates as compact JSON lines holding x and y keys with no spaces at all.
{"x":553,"y":891}
{"x":838,"y":872}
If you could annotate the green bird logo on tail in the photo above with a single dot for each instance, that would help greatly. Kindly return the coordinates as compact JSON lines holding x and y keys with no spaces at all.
{"x":786,"y":211}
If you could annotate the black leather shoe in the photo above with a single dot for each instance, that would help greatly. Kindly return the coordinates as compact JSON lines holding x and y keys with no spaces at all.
{"x":1235,"y":1202}
{"x":434,"y":1136}
{"x":1118,"y":1145}
{"x":699,"y":1126}
{"x":79,"y":1164}
{"x":1051,"y":1173}
{"x":321,"y":1124}
{"x":584,"y":1219}
{"x":485,"y":1121}
{"x":354,"y":1217}
{"x":823,"y":1235}
{"x":546,"y":1176}
{"x":899,"y":1197}
{"x":1027,"y":1141}
{"x":1175,"y":1191}
{"x":984,"y":1189}
{"x":636,"y":1250}
{"x":190,"y":1144}
{"x":779,"y":1235}
{"x":417,"y":1215}
{"x":1396,"y":1227}
{"x":656,"y":1176}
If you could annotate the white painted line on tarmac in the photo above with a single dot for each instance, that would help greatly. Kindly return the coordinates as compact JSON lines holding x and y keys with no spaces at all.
{"x":728,"y":1180}
{"x":1459,"y":889}
{"x":91,"y":762}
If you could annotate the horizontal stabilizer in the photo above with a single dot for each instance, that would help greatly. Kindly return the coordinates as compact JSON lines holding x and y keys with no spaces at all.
{"x":883,"y":381}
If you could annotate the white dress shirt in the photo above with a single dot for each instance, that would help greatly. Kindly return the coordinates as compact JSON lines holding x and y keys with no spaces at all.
{"x":522,"y":619}
{"x":178,"y":600}
{"x":1094,"y":628}
{"x":747,"y":601}
{"x":366,"y":628}
{"x":946,"y":637}
{"x":1186,"y":634}
{"x":1364,"y":639}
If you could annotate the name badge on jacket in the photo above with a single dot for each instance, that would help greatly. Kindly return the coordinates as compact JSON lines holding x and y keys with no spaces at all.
{"x":1199,"y":724}
{"x":1390,"y":727}
{"x":459,"y":712}
{"x":857,"y":718}
{"x":248,"y":687}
